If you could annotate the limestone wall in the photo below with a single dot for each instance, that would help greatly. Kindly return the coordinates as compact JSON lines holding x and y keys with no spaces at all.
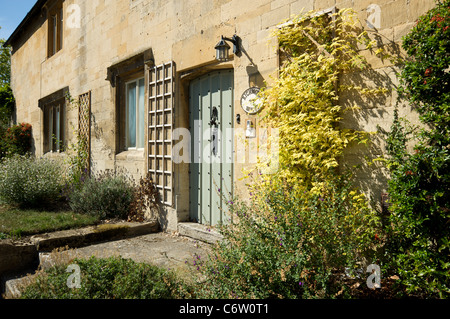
{"x":186,"y":32}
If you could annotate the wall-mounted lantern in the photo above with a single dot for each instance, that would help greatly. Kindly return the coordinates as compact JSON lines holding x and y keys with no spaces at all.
{"x":222,"y":48}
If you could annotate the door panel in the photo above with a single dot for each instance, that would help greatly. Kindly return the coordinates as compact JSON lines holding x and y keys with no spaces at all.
{"x":211,"y":114}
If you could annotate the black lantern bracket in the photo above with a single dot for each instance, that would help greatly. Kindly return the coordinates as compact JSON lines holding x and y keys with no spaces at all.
{"x":236,"y":43}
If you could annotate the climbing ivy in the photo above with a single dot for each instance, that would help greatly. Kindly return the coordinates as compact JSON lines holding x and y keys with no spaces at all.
{"x":77,"y":150}
{"x":304,"y":104}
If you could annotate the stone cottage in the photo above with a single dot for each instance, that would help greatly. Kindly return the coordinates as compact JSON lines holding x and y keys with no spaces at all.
{"x":156,"y":87}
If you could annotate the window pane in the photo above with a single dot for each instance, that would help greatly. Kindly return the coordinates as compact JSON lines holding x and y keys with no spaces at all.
{"x":141,"y":115}
{"x":58,"y":127}
{"x":50,"y":129}
{"x":131,"y":115}
{"x":60,"y":29}
{"x":54,"y":34}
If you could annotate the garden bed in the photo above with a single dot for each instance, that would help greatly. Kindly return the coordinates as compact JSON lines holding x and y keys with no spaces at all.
{"x":17,"y":223}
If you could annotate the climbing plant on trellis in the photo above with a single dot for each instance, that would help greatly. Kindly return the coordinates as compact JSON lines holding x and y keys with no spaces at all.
{"x":84,"y":130}
{"x":303,"y":103}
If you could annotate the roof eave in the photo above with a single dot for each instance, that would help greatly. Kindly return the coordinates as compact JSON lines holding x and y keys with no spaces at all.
{"x":36,"y":8}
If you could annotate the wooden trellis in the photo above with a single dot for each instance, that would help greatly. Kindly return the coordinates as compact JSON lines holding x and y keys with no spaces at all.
{"x":160,"y":125}
{"x":84,"y":128}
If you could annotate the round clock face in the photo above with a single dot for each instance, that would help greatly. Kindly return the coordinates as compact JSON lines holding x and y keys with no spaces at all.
{"x":250,"y":101}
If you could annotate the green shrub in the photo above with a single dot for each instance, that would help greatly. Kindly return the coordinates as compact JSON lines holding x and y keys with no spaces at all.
{"x":6,"y":111}
{"x":419,"y":246}
{"x":290,"y":243}
{"x":3,"y":141}
{"x":425,"y":77}
{"x":29,"y":182}
{"x":106,"y":195}
{"x":7,"y":103}
{"x":110,"y":278}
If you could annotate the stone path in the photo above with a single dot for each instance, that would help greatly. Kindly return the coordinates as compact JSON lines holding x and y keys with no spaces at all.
{"x":165,"y":250}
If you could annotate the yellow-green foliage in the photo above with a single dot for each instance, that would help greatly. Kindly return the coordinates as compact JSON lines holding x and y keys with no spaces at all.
{"x":304,"y":101}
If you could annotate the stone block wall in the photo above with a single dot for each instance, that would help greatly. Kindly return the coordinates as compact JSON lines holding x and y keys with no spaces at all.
{"x":186,"y":32}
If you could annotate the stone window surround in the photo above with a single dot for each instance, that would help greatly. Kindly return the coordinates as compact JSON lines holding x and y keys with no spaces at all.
{"x":54,"y":41}
{"x":51,"y":102}
{"x":118,"y":74}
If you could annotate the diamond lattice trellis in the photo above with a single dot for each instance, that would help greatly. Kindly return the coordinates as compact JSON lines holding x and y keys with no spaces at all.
{"x":84,"y":128}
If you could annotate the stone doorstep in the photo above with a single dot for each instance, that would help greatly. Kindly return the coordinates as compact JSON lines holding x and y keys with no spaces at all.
{"x":199,"y":232}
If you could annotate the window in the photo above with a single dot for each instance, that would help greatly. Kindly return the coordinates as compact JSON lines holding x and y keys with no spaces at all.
{"x":135,"y":114}
{"x":54,"y":124}
{"x":55,"y":29}
{"x":53,"y":108}
{"x":128,"y":79}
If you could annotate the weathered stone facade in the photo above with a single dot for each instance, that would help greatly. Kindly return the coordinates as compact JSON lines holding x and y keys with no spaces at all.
{"x":103,"y":35}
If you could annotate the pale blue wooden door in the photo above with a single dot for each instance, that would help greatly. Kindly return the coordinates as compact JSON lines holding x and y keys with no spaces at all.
{"x":211,"y":168}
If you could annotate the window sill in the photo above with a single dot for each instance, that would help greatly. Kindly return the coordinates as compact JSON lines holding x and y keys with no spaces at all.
{"x":54,"y":155}
{"x":54,"y":55}
{"x":131,"y":155}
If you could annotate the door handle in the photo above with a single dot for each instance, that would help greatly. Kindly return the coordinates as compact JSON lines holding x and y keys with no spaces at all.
{"x":214,"y":117}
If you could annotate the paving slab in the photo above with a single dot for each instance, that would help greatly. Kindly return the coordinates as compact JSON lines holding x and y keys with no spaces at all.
{"x":166,"y":250}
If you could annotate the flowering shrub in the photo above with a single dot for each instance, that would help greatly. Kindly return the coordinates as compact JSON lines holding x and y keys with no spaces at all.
{"x":287,"y":243}
{"x":418,"y":246}
{"x":106,"y":195}
{"x":29,"y":182}
{"x":425,"y":77}
{"x":18,"y":138}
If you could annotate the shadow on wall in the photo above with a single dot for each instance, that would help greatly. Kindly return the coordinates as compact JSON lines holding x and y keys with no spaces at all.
{"x":369,"y":112}
{"x":162,"y":215}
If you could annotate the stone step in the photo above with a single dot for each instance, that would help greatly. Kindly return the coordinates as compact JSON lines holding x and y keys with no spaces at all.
{"x":13,"y":282}
{"x":85,"y":236}
{"x":200,"y":232}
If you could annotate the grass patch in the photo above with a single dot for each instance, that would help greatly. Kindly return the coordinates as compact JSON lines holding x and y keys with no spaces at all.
{"x":16,"y":222}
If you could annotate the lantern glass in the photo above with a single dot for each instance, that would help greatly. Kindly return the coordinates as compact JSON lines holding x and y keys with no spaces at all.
{"x":222,"y":49}
{"x":222,"y":54}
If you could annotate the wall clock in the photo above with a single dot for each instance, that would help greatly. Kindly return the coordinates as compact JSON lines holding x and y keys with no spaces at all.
{"x":251,"y":103}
